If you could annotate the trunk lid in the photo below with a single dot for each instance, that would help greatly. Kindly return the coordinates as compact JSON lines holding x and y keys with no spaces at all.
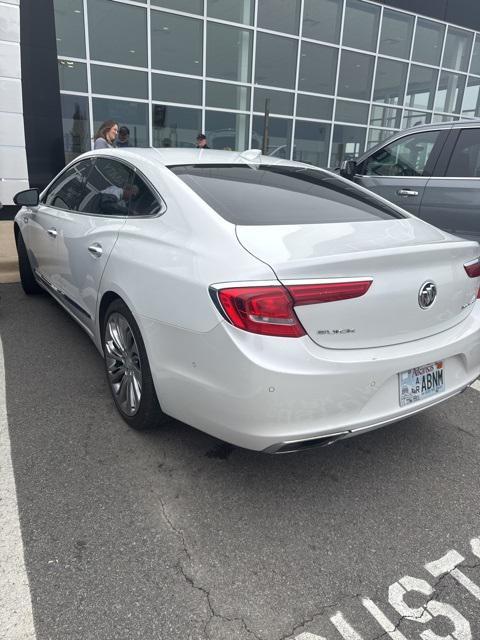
{"x":399,"y":255}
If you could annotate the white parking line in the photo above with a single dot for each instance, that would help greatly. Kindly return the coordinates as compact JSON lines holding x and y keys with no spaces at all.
{"x":476,"y":385}
{"x":16,"y":618}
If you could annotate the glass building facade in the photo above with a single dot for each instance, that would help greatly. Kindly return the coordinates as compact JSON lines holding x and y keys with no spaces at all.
{"x":340,"y":75}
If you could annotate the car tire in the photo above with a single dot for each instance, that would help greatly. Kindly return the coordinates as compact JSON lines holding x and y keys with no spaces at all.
{"x":128,"y":371}
{"x":27,"y":279}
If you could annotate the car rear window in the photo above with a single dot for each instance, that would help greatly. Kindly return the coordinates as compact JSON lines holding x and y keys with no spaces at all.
{"x":276,"y":195}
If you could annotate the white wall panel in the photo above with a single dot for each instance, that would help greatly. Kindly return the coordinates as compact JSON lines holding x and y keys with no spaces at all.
{"x":13,"y":161}
{"x":9,"y":23}
{"x":11,"y":95}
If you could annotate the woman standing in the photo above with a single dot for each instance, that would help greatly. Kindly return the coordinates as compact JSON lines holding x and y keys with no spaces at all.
{"x":106,"y":134}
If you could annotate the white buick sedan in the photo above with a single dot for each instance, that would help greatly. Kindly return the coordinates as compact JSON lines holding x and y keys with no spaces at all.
{"x":269,"y":303}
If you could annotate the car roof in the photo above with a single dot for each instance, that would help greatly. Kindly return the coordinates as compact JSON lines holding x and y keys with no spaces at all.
{"x":175,"y":156}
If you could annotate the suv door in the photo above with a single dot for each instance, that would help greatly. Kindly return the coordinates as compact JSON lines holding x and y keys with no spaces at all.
{"x":41,"y":231}
{"x":452,"y":196}
{"x":399,"y":171}
{"x":87,"y":236}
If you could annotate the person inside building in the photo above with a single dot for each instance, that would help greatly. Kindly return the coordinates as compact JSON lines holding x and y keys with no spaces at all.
{"x":123,"y":139}
{"x":202,"y":141}
{"x":106,"y":135}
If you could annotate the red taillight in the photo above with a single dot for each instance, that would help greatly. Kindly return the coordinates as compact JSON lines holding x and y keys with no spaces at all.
{"x":264,"y":310}
{"x":473,"y":268}
{"x":269,"y":310}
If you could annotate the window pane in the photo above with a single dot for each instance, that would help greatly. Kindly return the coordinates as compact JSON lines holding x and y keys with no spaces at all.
{"x":175,"y":126}
{"x":279,"y":15}
{"x":72,"y":75}
{"x":229,"y":52}
{"x":108,"y":189}
{"x":227,"y":130}
{"x":168,"y":31}
{"x":439,"y":118}
{"x":142,"y":201}
{"x":228,"y":96}
{"x":351,"y":112}
{"x":390,"y":81}
{"x":232,"y":10}
{"x":268,"y":195}
{"x":348,"y":143}
{"x":415,"y":118}
{"x":465,"y":160}
{"x":457,"y":49}
{"x":361,"y":25}
{"x":311,"y":143}
{"x":428,"y":42}
{"x":281,"y":102}
{"x":396,"y":36}
{"x":65,"y":193}
{"x":70,"y":28}
{"x":471,"y":99}
{"x":176,"y":89}
{"x":386,"y":117}
{"x":189,"y":6}
{"x":375,"y":136}
{"x":131,"y":114}
{"x":421,"y":87}
{"x":119,"y":82}
{"x":313,"y":107}
{"x":76,"y":126}
{"x":405,"y":157}
{"x":276,"y":61}
{"x":280,"y":136}
{"x":356,"y":72}
{"x":318,"y":68}
{"x":450,"y":92}
{"x":475,"y":67}
{"x":128,"y":23}
{"x":321,"y":20}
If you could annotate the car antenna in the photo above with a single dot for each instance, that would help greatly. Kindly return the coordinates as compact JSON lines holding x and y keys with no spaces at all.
{"x":253,"y":157}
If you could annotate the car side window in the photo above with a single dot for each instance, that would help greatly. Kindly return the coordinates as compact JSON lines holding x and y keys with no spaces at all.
{"x":67,"y":190}
{"x":142,"y":201}
{"x":107,"y":189}
{"x":465,"y":159}
{"x":405,"y":157}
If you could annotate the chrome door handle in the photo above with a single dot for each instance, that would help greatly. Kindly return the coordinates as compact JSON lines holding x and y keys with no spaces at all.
{"x":407,"y":192}
{"x":95,"y":250}
{"x":52,"y":232}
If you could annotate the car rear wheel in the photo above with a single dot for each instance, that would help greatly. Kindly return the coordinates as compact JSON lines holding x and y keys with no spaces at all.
{"x":128,"y":371}
{"x":29,"y":284}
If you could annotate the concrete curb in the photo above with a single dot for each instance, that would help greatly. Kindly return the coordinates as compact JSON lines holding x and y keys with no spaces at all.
{"x":8,"y":253}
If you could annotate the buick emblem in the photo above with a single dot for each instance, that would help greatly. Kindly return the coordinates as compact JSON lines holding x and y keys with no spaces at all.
{"x":427,"y":295}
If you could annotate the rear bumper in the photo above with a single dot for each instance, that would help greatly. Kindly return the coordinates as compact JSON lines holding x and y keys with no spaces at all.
{"x":261,"y":392}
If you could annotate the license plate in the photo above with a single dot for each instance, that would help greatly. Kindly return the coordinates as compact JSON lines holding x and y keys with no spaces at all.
{"x":421,"y":383}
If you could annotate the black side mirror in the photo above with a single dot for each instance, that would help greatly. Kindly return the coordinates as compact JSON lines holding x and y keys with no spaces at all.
{"x":348,"y":169}
{"x":27,"y":198}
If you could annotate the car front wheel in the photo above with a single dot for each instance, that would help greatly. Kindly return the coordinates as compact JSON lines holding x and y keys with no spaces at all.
{"x":29,"y":284}
{"x":128,"y":371}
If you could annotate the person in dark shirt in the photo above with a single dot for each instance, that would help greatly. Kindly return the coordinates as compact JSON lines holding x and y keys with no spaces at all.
{"x":202,"y":141}
{"x":123,"y":139}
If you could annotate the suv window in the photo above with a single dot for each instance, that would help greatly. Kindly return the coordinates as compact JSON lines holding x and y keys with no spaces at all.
{"x":142,"y":200}
{"x":66,"y":191}
{"x":272,"y":194}
{"x":108,"y":189}
{"x":405,"y":157}
{"x":465,"y":160}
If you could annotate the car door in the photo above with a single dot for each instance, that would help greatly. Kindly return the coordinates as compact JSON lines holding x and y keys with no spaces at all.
{"x":452,"y":196}
{"x":399,"y":171}
{"x":40,"y":231}
{"x":87,"y":236}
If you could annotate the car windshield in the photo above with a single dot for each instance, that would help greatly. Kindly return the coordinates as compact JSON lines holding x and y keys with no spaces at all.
{"x":281,"y":195}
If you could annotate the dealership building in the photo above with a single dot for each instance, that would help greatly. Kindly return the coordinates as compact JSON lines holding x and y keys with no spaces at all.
{"x":339,"y":75}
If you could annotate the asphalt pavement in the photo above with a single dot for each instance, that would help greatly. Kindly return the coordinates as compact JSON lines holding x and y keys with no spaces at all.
{"x":174,"y":535}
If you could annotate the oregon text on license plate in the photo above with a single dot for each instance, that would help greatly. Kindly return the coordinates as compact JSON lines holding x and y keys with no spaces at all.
{"x":421,"y":382}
